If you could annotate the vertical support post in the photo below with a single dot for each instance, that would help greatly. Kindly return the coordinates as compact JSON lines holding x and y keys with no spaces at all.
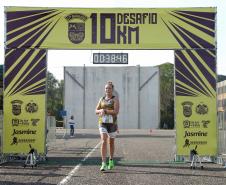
{"x":159,"y":97}
{"x":195,"y":98}
{"x":84,"y":103}
{"x":138,"y":125}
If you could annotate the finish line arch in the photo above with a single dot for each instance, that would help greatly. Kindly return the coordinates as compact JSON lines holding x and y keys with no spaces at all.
{"x":30,"y":32}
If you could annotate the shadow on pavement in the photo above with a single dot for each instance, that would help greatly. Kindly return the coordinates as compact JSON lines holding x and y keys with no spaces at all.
{"x":29,"y":183}
{"x":73,"y":161}
{"x":173,"y":166}
{"x":96,"y":136}
{"x":172,"y":173}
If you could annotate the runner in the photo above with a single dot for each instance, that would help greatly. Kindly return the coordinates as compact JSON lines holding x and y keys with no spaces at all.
{"x":107,"y":110}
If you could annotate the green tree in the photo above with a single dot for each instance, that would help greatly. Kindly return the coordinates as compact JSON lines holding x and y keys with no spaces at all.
{"x":221,"y":78}
{"x":167,"y":96}
{"x":54,"y":96}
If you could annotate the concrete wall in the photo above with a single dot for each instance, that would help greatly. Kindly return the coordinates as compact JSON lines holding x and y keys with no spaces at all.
{"x":136,"y":87}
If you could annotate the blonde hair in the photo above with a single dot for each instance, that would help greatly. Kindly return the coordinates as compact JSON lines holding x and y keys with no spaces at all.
{"x":110,"y":83}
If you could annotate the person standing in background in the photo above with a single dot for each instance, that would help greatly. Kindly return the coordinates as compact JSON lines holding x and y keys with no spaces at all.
{"x":72,"y":123}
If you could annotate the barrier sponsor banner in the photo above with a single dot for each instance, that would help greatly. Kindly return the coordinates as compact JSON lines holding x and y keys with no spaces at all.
{"x":24,"y":101}
{"x":196,"y":121}
{"x":110,"y":28}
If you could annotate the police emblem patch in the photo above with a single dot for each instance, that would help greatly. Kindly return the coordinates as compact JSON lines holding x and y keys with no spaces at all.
{"x":187,"y":108}
{"x":76,"y":27}
{"x":16,"y":107}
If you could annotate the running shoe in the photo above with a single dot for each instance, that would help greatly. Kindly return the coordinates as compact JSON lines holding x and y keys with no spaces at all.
{"x":103,"y":167}
{"x":111,"y":164}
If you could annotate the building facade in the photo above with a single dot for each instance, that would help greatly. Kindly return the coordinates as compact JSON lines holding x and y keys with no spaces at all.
{"x":221,"y":105}
{"x":136,"y":87}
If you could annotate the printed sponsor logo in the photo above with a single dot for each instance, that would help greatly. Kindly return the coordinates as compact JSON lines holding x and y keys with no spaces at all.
{"x":187,"y":143}
{"x":76,"y":27}
{"x":16,"y":107}
{"x":191,"y":124}
{"x":205,"y":123}
{"x":24,"y":122}
{"x":201,"y":109}
{"x":187,"y":108}
{"x":20,"y":122}
{"x":16,"y":141}
{"x":35,"y":122}
{"x":24,"y":132}
{"x":195,"y":134}
{"x":31,"y":107}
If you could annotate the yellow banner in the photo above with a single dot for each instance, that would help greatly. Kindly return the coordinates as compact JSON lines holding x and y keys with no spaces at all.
{"x":24,"y":101}
{"x":196,"y":125}
{"x":110,"y":28}
{"x":24,"y":124}
{"x":196,"y":111}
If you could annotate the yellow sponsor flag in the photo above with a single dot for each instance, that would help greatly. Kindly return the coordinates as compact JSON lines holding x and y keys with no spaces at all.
{"x":24,"y":124}
{"x":196,"y":125}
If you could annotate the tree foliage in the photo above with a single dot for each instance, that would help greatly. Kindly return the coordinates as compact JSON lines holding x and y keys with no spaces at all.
{"x":54,"y":96}
{"x":221,"y":78}
{"x":167,"y":96}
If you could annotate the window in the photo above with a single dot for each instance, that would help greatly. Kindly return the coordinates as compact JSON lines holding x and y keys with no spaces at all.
{"x":224,"y":89}
{"x":220,"y":90}
{"x":224,"y":102}
{"x":219,"y":103}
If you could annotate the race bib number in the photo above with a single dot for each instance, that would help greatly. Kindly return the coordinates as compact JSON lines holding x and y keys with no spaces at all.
{"x":107,"y":119}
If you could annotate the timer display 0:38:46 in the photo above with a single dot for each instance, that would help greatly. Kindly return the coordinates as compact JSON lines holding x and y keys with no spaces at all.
{"x":110,"y":58}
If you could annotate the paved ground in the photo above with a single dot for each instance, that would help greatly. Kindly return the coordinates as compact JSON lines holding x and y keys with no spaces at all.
{"x":142,"y":158}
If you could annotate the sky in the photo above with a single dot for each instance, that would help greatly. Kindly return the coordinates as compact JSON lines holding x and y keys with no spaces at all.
{"x":136,"y":57}
{"x":55,"y":64}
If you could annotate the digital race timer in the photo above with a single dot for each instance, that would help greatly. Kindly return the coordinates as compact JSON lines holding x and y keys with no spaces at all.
{"x":110,"y":58}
